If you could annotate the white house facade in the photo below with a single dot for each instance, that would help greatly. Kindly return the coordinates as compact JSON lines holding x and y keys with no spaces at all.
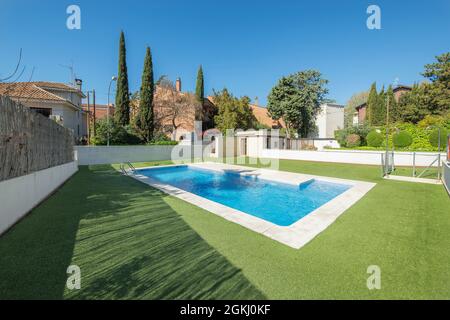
{"x":58,"y":101}
{"x":329,"y":119}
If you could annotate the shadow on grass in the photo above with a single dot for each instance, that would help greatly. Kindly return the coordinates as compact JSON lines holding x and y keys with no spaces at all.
{"x":128,"y":242}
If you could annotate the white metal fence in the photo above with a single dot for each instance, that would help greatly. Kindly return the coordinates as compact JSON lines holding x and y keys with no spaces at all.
{"x":422,"y":159}
{"x":446,"y":175}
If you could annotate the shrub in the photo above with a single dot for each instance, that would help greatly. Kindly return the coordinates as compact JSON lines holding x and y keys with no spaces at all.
{"x":420,"y":137}
{"x":353,"y":140}
{"x":402,"y":139}
{"x":118,"y":135}
{"x":341,"y":137}
{"x":164,"y":143}
{"x":434,"y":138}
{"x":309,"y":147}
{"x":362,"y":131}
{"x":374,"y":139}
{"x":431,"y":120}
{"x":160,"y":136}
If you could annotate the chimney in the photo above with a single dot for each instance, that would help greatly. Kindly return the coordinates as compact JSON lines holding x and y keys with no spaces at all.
{"x":78,"y":84}
{"x":178,"y":84}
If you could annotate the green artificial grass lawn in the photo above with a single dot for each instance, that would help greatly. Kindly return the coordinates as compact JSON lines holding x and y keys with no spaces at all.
{"x":134,"y":242}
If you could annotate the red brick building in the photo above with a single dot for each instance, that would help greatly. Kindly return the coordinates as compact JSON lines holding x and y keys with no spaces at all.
{"x":361,"y":110}
{"x":100,"y":110}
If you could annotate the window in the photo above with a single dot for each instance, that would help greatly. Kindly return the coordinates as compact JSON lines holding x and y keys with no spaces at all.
{"x":46,"y":112}
{"x":268,"y":142}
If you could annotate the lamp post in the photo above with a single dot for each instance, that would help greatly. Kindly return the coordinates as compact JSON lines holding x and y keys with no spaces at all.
{"x":114,"y":78}
{"x":386,"y":165}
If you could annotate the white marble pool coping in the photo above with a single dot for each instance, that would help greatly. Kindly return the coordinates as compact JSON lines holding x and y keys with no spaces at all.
{"x":297,"y":234}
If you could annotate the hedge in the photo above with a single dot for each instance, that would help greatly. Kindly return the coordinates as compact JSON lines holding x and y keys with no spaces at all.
{"x":374,"y":139}
{"x":422,"y":138}
{"x":402,"y":139}
{"x":434,"y":138}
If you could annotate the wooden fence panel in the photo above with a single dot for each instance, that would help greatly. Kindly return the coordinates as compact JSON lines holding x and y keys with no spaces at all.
{"x":29,"y":141}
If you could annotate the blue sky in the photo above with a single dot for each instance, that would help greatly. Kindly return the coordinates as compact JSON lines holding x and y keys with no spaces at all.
{"x":245,"y":46}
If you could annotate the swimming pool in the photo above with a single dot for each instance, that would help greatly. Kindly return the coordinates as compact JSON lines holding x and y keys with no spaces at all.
{"x":279,"y":203}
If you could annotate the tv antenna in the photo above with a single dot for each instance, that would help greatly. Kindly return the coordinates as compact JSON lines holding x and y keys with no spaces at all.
{"x":396,"y":81}
{"x":72,"y":74}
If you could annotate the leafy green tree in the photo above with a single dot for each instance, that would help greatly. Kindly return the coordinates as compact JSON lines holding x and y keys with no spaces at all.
{"x":233,"y":113}
{"x":438,"y":91}
{"x":440,"y":70}
{"x":297,"y":98}
{"x":122,"y":111}
{"x":412,"y":105}
{"x":247,"y":119}
{"x":145,"y":117}
{"x":372,"y":104}
{"x":200,"y":86}
{"x":431,"y":98}
{"x":355,"y":100}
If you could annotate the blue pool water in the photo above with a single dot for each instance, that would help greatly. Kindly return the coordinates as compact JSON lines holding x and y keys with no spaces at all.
{"x":279,"y":203}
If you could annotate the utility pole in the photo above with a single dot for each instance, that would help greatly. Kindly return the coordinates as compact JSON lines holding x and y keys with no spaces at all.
{"x":93,"y":98}
{"x":114,"y":78}
{"x":89,"y":131}
{"x":88,"y":119}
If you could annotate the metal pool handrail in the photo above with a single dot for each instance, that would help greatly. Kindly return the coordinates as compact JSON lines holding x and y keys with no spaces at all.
{"x":124,"y":171}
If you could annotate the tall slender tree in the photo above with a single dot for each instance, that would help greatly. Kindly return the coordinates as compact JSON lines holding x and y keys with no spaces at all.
{"x":372,"y":102}
{"x":122,"y":111}
{"x":145,"y":117}
{"x":200,"y":86}
{"x":379,"y":113}
{"x":393,"y":106}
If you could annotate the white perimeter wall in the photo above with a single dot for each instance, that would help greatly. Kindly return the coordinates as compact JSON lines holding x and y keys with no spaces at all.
{"x":321,"y":144}
{"x":19,"y":195}
{"x":358,"y":157}
{"x":117,"y":154}
{"x":87,"y":155}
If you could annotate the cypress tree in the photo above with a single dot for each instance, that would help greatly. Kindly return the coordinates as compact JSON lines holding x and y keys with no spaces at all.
{"x":146,"y":115}
{"x":393,"y":108}
{"x":199,"y":88}
{"x":379,"y":114}
{"x":122,"y":112}
{"x":372,"y":102}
